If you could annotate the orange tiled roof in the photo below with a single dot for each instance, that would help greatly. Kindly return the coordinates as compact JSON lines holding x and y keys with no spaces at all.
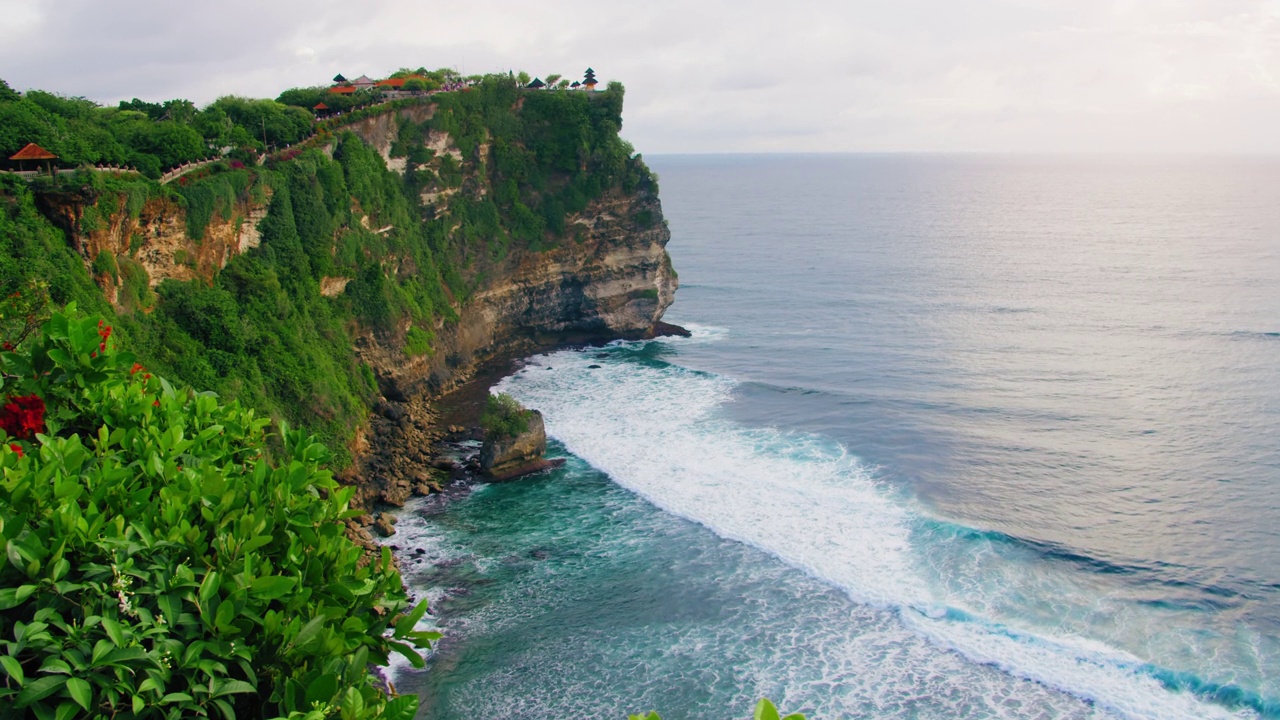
{"x":320,"y":106}
{"x":342,"y":90}
{"x":33,"y":152}
{"x":398,"y":82}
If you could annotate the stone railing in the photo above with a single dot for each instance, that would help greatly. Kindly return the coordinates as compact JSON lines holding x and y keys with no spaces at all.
{"x":185,"y":168}
{"x":29,"y":174}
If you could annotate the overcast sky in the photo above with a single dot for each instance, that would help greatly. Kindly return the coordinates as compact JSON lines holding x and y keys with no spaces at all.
{"x":721,"y":75}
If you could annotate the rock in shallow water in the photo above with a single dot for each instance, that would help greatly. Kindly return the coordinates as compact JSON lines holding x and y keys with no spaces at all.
{"x":512,"y":457}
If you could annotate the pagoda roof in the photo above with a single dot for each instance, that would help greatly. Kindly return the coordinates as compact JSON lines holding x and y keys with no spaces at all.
{"x":339,"y":79}
{"x":33,"y":152}
{"x":537,"y":83}
{"x":575,"y":83}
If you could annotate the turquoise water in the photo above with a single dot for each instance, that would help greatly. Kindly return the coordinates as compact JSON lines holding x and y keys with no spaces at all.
{"x":954,"y":438}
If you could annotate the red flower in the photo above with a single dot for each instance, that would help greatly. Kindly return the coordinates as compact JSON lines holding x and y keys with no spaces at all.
{"x":146,"y":376}
{"x":23,"y":417}
{"x":7,"y":346}
{"x":156,"y":403}
{"x":102,"y":347}
{"x":16,"y":448}
{"x":136,"y":367}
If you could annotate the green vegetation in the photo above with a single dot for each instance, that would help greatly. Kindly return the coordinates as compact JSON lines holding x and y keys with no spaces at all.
{"x":150,"y":137}
{"x":160,"y":563}
{"x":214,"y":195}
{"x":258,"y":330}
{"x":418,"y":341}
{"x":504,"y":417}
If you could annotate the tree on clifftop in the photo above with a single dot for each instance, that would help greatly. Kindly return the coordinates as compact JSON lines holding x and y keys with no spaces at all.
{"x":7,"y":93}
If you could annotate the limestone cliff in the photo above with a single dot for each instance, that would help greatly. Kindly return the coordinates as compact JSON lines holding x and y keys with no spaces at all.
{"x":615,"y":282}
{"x":423,"y":199}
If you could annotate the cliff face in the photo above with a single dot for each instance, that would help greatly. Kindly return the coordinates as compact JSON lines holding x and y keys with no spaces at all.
{"x":418,"y":250}
{"x":155,"y":239}
{"x":615,"y":282}
{"x":613,"y":279}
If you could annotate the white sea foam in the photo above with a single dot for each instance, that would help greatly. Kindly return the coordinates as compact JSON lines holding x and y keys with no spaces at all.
{"x":660,"y":431}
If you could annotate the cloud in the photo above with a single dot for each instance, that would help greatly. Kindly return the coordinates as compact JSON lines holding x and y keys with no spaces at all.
{"x":720,"y":76}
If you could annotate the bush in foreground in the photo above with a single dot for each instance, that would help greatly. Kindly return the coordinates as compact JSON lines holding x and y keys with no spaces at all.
{"x":159,"y":564}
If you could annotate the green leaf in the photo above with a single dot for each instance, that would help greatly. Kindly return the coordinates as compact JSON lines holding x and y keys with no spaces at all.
{"x":406,"y":624}
{"x":233,"y":687}
{"x":209,"y":586}
{"x":80,"y":691}
{"x":255,"y":543}
{"x":765,"y":710}
{"x":13,"y":668}
{"x":176,"y":697}
{"x":66,"y":711}
{"x":322,"y":689}
{"x":228,"y":712}
{"x":170,"y":606}
{"x":114,"y":631}
{"x":100,"y":650}
{"x":401,"y":708}
{"x":55,"y":665}
{"x":138,"y":703}
{"x":61,"y":357}
{"x":409,"y":654}
{"x":39,"y":689}
{"x":272,"y":586}
{"x":226,"y":613}
{"x":308,"y":632}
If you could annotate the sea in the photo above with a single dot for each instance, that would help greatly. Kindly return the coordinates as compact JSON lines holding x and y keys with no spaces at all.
{"x":955,"y":436}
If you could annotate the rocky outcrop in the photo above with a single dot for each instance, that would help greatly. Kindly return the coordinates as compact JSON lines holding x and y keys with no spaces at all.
{"x":507,"y":458}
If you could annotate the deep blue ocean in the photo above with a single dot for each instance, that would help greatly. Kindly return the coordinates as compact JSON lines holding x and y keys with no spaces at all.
{"x":954,"y":437}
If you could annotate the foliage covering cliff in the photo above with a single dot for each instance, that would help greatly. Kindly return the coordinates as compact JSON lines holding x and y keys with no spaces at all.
{"x":372,"y":255}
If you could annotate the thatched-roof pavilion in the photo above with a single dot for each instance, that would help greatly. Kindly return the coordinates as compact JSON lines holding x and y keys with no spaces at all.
{"x":536,"y":84}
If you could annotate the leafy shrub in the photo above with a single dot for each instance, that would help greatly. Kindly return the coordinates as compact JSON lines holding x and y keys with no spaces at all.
{"x":160,"y":565}
{"x":418,"y":341}
{"x":104,"y":263}
{"x":504,"y":417}
{"x":135,"y":286}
